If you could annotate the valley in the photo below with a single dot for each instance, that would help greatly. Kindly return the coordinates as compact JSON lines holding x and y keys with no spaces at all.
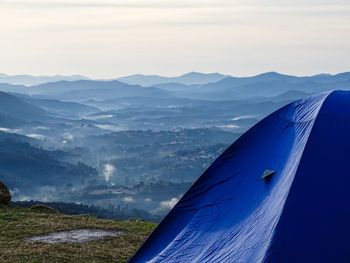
{"x":134,"y":146}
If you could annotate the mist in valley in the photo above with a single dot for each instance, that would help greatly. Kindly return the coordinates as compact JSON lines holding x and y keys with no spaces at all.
{"x":132,"y":146}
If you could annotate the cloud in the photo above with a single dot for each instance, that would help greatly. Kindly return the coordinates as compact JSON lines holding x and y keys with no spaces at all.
{"x":118,"y":4}
{"x":109,"y":127}
{"x":36,"y":136}
{"x":238,"y":37}
{"x":128,"y":199}
{"x":108,"y":171}
{"x":68,"y":136}
{"x":100,"y":117}
{"x":14,"y":191}
{"x":169,"y":204}
{"x":10,"y":130}
{"x":43,"y":128}
{"x":44,"y":194}
{"x":166,"y":4}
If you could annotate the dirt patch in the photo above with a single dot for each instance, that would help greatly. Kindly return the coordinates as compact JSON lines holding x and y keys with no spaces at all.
{"x":74,"y":236}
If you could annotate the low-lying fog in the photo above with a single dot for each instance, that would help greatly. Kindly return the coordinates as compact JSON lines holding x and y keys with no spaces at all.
{"x":131,"y":149}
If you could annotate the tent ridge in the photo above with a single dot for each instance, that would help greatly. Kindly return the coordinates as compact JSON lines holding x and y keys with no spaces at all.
{"x":313,"y":120}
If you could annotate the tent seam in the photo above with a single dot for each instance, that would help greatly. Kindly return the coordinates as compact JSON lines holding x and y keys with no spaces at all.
{"x":302,"y":154}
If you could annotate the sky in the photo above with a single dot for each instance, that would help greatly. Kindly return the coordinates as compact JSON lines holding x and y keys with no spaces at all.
{"x":107,"y":39}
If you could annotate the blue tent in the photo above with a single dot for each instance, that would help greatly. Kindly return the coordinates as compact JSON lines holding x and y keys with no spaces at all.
{"x":280,"y":193}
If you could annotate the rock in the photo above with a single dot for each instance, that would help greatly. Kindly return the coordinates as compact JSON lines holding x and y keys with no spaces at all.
{"x":43,"y":209}
{"x":5,"y":196}
{"x":74,"y":236}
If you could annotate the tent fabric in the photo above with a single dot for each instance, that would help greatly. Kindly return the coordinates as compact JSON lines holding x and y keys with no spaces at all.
{"x":300,"y":213}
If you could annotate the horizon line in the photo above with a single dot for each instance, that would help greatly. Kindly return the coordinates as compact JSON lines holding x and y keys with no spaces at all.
{"x":167,"y":76}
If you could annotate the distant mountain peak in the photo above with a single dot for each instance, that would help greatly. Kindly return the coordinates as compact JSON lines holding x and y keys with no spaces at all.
{"x":322,"y":75}
{"x":271,"y":74}
{"x":191,"y":78}
{"x":30,"y":80}
{"x":199,"y":74}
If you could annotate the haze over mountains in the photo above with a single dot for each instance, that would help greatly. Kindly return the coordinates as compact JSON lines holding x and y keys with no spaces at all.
{"x":192,"y":78}
{"x":137,"y":142}
{"x":29,"y":80}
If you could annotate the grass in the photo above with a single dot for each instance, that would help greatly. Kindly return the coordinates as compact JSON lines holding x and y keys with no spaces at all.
{"x":19,"y":223}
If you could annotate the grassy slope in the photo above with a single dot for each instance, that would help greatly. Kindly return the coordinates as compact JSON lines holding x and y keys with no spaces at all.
{"x":18,"y":223}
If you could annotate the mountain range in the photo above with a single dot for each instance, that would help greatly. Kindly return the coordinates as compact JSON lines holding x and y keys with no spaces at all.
{"x":193,"y":85}
{"x":29,"y":80}
{"x":192,"y":78}
{"x":136,"y":142}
